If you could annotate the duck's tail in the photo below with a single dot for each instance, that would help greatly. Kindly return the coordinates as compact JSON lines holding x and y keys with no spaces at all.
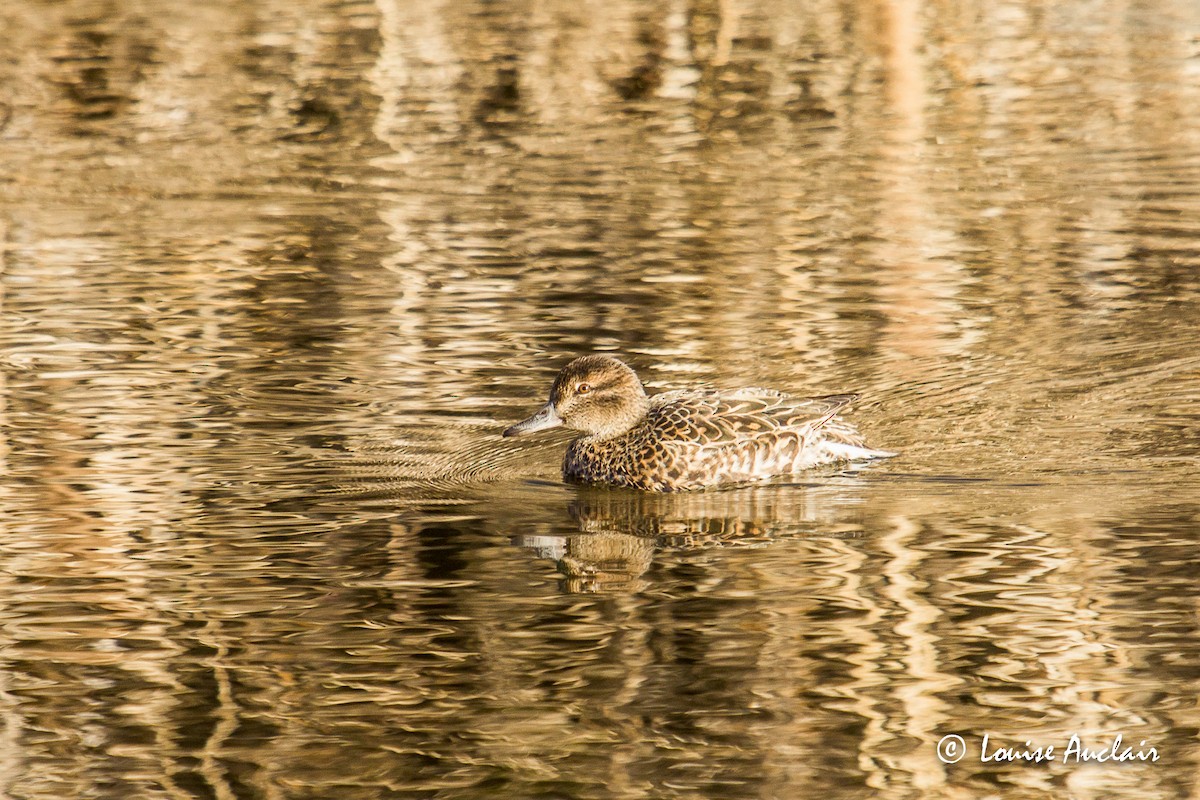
{"x":844,"y":451}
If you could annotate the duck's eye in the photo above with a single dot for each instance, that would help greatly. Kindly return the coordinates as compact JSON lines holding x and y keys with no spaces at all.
{"x":583,"y":388}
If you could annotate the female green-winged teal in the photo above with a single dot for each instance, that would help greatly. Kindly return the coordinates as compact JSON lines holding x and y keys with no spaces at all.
{"x":688,"y":439}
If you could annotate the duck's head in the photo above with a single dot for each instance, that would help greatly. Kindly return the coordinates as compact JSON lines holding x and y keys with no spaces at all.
{"x":595,"y":395}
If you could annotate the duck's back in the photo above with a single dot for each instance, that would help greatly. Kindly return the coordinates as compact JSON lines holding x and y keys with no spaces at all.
{"x":696,"y":438}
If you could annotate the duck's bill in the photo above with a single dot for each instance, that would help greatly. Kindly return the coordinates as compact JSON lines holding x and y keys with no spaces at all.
{"x":543,"y":420}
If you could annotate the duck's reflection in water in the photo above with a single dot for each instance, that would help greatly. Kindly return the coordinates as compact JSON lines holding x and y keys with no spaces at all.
{"x":621,"y":531}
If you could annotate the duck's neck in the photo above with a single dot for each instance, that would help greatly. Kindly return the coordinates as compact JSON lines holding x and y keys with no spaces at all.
{"x":629,"y":417}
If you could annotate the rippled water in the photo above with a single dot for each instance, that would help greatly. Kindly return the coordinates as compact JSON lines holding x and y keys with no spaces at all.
{"x":275,"y":275}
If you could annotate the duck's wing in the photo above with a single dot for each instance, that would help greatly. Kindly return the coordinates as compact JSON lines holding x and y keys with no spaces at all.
{"x":711,"y":417}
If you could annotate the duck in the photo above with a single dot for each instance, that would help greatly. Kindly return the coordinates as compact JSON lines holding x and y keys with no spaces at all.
{"x":688,"y":439}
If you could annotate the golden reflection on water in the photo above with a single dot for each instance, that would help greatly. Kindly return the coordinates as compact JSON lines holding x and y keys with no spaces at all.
{"x":274,"y":276}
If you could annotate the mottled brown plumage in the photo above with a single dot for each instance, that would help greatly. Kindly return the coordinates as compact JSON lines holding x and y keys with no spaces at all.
{"x":688,"y":439}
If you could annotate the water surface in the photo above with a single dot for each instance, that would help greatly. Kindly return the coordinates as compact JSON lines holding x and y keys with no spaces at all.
{"x":274,"y":276}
